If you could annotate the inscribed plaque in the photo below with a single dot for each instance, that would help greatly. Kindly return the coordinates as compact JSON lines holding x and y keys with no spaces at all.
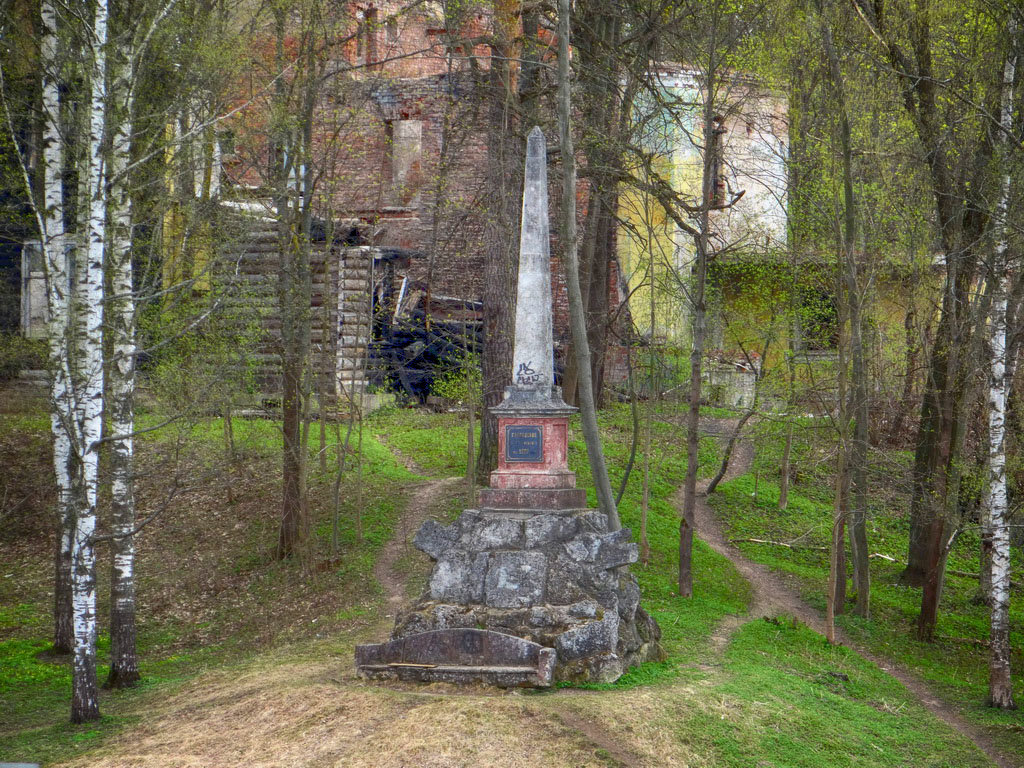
{"x":524,"y":443}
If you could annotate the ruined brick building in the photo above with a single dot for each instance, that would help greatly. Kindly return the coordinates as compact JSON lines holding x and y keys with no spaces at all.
{"x":400,"y":152}
{"x":402,"y":143}
{"x":401,"y":147}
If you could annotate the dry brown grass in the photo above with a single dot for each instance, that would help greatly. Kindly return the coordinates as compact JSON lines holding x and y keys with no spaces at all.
{"x":315,"y":712}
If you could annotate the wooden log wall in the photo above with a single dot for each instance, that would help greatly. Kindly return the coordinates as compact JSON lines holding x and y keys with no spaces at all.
{"x":248,"y":269}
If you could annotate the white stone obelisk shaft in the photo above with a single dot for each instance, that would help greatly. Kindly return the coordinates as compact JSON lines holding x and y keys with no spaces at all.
{"x":533,"y":366}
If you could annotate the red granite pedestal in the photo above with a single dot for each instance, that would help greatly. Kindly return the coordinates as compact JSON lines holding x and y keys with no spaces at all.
{"x":533,"y":474}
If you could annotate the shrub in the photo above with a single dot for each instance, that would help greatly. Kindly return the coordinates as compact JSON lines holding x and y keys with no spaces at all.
{"x":18,"y":354}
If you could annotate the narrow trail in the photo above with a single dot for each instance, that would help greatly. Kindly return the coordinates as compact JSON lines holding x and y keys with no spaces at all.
{"x":773,"y":596}
{"x":423,"y":498}
{"x":597,"y":734}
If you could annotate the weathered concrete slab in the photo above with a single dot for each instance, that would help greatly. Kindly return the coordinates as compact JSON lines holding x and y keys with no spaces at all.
{"x":458,"y":577}
{"x":515,"y":579}
{"x":458,"y":656}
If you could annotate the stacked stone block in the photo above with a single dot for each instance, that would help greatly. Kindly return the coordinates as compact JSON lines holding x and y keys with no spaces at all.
{"x":555,"y":579}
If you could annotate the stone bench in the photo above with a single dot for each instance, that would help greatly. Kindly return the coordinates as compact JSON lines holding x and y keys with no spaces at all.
{"x":459,"y":656}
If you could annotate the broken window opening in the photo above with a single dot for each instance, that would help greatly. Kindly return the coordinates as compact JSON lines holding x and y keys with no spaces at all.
{"x":370,"y":31}
{"x":388,"y":156}
{"x":719,"y":187}
{"x":818,"y":321}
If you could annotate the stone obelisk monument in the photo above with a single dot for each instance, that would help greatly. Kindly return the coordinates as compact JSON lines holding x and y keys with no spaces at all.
{"x":531,"y":587}
{"x":533,"y":420}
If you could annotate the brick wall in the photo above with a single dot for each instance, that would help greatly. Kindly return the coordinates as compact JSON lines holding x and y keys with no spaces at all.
{"x":380,"y":127}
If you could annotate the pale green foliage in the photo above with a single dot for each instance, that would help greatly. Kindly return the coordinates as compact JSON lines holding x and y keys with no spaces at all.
{"x":460,"y":382}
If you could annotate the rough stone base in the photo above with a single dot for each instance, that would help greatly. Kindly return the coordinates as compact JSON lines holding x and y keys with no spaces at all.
{"x":560,"y":580}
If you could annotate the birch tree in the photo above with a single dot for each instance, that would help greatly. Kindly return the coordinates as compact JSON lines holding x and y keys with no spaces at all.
{"x":75,"y":298}
{"x":87,"y":381}
{"x":1000,"y":685}
{"x":50,"y":217}
{"x":124,"y":668}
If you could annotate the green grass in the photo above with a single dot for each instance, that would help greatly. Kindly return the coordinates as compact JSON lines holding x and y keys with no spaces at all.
{"x":787,"y":698}
{"x":778,"y":697}
{"x":955,"y":664}
{"x":435,"y":441}
{"x":230,"y":544}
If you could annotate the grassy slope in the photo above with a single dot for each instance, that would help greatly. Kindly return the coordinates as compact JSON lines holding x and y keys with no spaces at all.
{"x":209,"y":591}
{"x":777,"y":697}
{"x":956,"y":664}
{"x":779,"y":694}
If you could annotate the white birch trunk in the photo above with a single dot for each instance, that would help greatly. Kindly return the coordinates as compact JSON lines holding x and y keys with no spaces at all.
{"x":87,"y":376}
{"x":57,"y":283}
{"x":124,"y":669}
{"x":1000,"y":684}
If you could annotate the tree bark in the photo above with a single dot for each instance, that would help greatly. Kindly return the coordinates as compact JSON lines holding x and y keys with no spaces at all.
{"x":51,"y":225}
{"x":702,"y":244}
{"x":1000,"y":689}
{"x":784,"y":469}
{"x":124,"y":667}
{"x":958,"y":190}
{"x":577,"y":316}
{"x":504,"y":154}
{"x":87,"y":380}
{"x":294,"y":211}
{"x":909,"y":376}
{"x":856,"y":461}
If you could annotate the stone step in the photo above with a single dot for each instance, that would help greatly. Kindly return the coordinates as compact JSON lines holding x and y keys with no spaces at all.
{"x":525,"y":499}
{"x":463,"y":655}
{"x":501,"y":677}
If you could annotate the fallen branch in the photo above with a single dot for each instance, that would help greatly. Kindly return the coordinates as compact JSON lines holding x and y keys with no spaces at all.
{"x":977,"y":577}
{"x":776,"y":544}
{"x":951,"y":571}
{"x":964,"y":574}
{"x":964,"y":640}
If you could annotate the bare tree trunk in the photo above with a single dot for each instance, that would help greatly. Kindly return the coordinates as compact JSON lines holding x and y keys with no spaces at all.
{"x":702,"y":243}
{"x":598,"y":306}
{"x":959,"y":191}
{"x":645,"y":545}
{"x":908,"y":378}
{"x":1000,"y":687}
{"x":294,"y":291}
{"x":836,"y":590}
{"x":62,"y":408}
{"x":601,"y":114}
{"x":124,"y":667}
{"x":856,"y":461}
{"x":501,"y":239}
{"x":784,"y":468}
{"x":634,"y":440}
{"x":729,"y":448}
{"x":577,"y":315}
{"x":87,"y":379}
